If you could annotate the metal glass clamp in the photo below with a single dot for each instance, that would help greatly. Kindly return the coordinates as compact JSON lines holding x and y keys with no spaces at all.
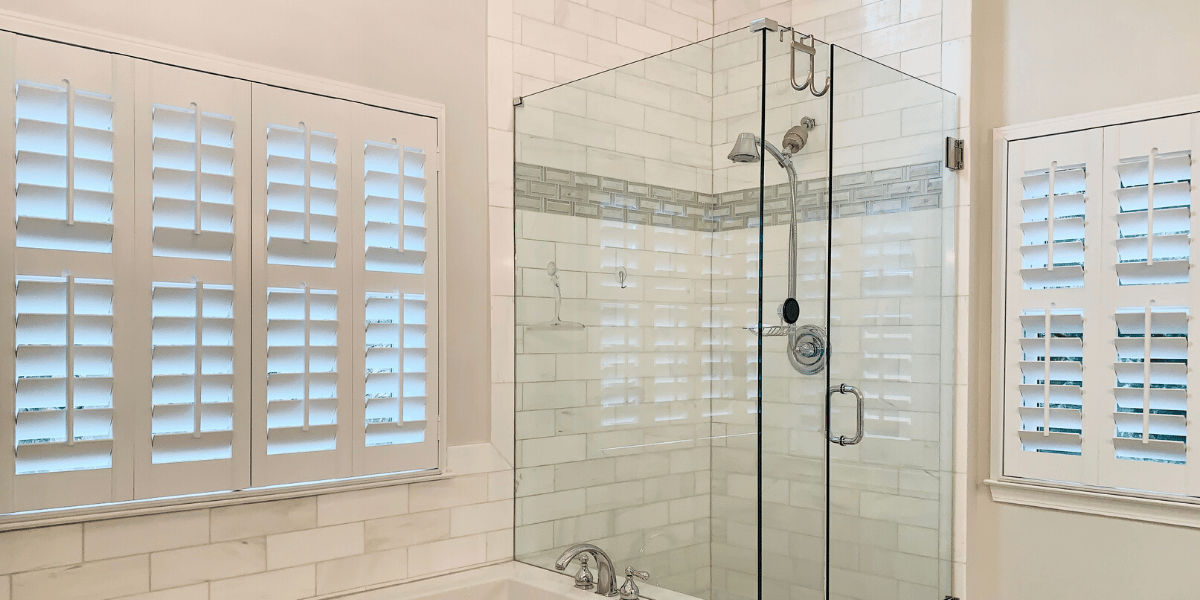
{"x":858,"y":435}
{"x":811,"y":50}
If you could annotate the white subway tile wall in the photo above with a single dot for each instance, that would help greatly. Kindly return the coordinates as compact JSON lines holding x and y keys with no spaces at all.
{"x":285,"y":549}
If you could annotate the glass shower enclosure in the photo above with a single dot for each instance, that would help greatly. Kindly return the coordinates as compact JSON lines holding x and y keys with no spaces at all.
{"x":736,"y":320}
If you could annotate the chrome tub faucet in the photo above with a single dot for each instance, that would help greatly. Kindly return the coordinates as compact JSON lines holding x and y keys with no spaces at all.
{"x":606,"y":580}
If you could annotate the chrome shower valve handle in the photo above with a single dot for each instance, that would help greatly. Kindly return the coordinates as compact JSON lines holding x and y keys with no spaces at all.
{"x":629,"y":590}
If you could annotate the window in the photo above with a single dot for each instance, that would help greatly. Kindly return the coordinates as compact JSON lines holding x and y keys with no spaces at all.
{"x":215,"y":284}
{"x":1099,"y":310}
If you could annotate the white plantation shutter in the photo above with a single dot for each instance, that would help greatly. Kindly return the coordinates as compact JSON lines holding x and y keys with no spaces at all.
{"x":1111,"y":405}
{"x":396,"y":415}
{"x":68,"y":253}
{"x":194,"y":240}
{"x":215,"y":284}
{"x":1054,"y":256}
{"x":303,"y":411}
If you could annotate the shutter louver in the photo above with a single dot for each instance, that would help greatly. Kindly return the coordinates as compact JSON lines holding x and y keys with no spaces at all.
{"x":396,"y":369}
{"x":1151,"y":384}
{"x":394,"y":184}
{"x":302,"y":376}
{"x":193,"y":183}
{"x":1051,"y":390}
{"x":301,"y":197}
{"x":1052,"y":247}
{"x":64,"y":371}
{"x":1155,"y":219}
{"x":192,"y":372}
{"x":64,"y":174}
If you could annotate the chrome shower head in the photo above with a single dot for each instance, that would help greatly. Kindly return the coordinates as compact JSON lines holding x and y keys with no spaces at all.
{"x":745,"y":149}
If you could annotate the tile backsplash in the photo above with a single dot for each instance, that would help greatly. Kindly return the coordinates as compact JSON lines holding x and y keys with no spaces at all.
{"x":891,"y":190}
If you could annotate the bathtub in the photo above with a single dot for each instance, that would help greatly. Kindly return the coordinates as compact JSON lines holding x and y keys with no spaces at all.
{"x":507,"y":581}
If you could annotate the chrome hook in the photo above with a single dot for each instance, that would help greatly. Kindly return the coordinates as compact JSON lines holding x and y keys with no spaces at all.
{"x":811,"y":50}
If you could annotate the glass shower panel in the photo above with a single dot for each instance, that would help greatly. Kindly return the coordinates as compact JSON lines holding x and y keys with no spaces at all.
{"x":628,"y":391}
{"x":794,"y":536}
{"x":892,"y":315}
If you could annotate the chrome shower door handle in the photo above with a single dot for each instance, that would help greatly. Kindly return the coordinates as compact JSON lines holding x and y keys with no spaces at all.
{"x":858,"y":397}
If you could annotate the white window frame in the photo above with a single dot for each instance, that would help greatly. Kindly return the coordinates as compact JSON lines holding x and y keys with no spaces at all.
{"x":1088,"y":499}
{"x":18,"y":24}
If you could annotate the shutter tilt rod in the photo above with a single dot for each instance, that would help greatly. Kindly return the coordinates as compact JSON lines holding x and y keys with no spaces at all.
{"x":1046,"y":377}
{"x":399,"y":358}
{"x":199,"y":166}
{"x":399,"y":198}
{"x":307,"y":198}
{"x":70,"y":152}
{"x":1146,"y":376}
{"x":307,"y":358}
{"x":1150,"y":213}
{"x":70,"y":371}
{"x":1050,"y":221}
{"x":198,"y":356}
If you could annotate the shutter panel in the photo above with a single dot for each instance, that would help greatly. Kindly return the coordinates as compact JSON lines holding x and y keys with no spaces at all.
{"x":1051,"y":389}
{"x":1153,"y":219}
{"x":396,"y":419}
{"x":70,"y":273}
{"x":1151,"y":384}
{"x":302,"y":196}
{"x":302,"y":370}
{"x":1054,"y":191}
{"x":64,"y":374}
{"x":194,"y":239}
{"x":303,"y":412}
{"x":1097,"y":377}
{"x":1145,"y":400}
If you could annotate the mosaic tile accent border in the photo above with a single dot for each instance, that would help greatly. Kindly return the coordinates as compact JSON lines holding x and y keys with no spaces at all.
{"x":555,"y":191}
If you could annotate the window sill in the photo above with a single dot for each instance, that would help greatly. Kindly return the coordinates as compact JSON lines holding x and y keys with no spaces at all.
{"x":1137,"y":506}
{"x":154,"y":506}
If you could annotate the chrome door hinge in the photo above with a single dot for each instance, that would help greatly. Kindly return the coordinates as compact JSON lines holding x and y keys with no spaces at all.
{"x":955,"y":154}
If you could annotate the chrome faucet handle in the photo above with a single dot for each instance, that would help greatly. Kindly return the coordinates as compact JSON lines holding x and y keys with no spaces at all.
{"x":629,"y":589}
{"x":584,"y":579}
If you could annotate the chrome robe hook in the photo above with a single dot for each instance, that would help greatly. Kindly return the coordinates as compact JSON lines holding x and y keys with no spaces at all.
{"x":811,"y":50}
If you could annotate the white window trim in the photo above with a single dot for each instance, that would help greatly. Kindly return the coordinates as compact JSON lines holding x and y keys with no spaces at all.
{"x":1094,"y":500}
{"x":179,"y":57}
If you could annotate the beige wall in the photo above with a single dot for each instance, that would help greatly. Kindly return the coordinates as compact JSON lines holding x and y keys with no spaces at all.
{"x":1036,"y":60}
{"x":428,"y":50}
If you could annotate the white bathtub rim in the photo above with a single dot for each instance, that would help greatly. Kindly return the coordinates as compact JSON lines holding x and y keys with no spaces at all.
{"x":558,"y":583}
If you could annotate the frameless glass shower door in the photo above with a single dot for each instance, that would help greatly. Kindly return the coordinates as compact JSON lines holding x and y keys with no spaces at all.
{"x":709,"y":263}
{"x":892,"y":331}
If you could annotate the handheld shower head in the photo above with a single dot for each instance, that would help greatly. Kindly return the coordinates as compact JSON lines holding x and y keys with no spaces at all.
{"x":745,"y":149}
